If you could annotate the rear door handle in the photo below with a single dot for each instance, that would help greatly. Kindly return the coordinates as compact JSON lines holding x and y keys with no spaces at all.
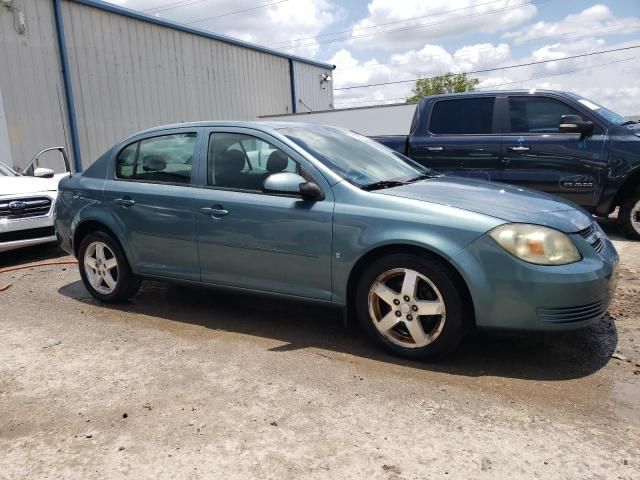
{"x":214,"y":212}
{"x":519,"y":148}
{"x":432,"y":149}
{"x":125,"y":202}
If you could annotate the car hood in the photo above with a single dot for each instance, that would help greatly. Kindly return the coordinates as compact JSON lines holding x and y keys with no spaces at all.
{"x":506,"y":202}
{"x":27,"y":185}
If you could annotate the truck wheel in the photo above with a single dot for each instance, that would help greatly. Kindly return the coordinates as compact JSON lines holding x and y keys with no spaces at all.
{"x":629,"y":216}
{"x":411,"y":305}
{"x":104,"y":269}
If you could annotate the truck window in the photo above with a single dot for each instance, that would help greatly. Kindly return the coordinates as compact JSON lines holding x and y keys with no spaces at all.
{"x":467,"y":116}
{"x":537,"y":114}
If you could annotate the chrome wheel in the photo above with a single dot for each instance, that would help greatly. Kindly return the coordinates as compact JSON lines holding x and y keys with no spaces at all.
{"x":101,"y":267}
{"x":407,"y":308}
{"x":635,"y":216}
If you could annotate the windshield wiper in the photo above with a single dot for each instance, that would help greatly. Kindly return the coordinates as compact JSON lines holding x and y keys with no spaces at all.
{"x":422,"y":176}
{"x":629,"y":122}
{"x":382,"y":184}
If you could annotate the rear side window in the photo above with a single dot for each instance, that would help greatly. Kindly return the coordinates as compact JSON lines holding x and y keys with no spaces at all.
{"x":166,"y":159}
{"x":537,"y":114}
{"x":466,"y":116}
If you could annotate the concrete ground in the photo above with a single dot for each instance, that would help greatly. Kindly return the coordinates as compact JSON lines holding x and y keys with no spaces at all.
{"x":188,"y":383}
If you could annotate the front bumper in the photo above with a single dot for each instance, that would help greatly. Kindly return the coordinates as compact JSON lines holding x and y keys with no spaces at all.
{"x":510,"y":294}
{"x":24,"y":232}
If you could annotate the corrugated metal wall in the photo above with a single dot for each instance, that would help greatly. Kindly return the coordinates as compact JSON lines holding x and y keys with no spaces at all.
{"x":128,"y":74}
{"x":30,"y":81}
{"x":309,"y":89}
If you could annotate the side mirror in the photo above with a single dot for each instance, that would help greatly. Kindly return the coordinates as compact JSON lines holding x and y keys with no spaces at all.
{"x":43,"y":172}
{"x":575,"y":124}
{"x":288,"y":183}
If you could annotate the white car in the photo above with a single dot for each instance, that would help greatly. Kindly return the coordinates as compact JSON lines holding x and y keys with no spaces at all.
{"x":26,"y":204}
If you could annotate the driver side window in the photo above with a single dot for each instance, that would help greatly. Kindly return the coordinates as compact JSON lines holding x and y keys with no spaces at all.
{"x":243,"y":162}
{"x":537,"y":114}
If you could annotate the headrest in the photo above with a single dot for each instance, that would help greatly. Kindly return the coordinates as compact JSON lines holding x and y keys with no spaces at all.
{"x":277,"y":161}
{"x":232,"y":161}
{"x":153,"y":163}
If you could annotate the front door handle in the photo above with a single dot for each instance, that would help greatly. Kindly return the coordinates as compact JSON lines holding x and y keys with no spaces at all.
{"x":214,"y":212}
{"x":519,"y":148}
{"x":125,"y":202}
{"x":431,"y":149}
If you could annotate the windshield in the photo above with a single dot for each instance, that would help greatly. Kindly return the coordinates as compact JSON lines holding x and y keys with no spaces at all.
{"x":605,"y":113}
{"x":356,"y":158}
{"x":6,"y":171}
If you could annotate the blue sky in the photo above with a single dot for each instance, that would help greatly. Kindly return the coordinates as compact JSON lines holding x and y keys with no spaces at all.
{"x":390,"y":40}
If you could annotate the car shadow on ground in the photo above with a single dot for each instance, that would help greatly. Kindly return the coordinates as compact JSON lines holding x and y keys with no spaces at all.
{"x":36,"y":253}
{"x":545,"y":357}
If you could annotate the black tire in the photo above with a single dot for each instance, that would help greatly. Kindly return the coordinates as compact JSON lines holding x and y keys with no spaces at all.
{"x":442,"y":277}
{"x":629,"y":210}
{"x":127,"y":284}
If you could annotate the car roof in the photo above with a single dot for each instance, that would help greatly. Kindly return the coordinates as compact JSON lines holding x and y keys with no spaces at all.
{"x":481,"y":93}
{"x":258,"y":125}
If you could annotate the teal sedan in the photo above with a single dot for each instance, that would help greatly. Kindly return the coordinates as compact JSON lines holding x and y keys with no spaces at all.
{"x":326,"y":215}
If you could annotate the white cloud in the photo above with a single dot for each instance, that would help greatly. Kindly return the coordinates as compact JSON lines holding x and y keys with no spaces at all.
{"x":430,"y":60}
{"x":276,"y":25}
{"x":594,"y":77}
{"x":411,"y":22}
{"x":596,"y":18}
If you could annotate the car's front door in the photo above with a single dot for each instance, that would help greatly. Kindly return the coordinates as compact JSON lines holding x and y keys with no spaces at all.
{"x":537,"y":155}
{"x":255,"y":240}
{"x":460,"y":138}
{"x":151,"y":197}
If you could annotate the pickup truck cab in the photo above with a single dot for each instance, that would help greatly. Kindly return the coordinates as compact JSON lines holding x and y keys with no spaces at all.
{"x":556,"y":142}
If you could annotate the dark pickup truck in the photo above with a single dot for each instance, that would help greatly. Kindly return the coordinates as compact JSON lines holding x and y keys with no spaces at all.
{"x":556,"y":142}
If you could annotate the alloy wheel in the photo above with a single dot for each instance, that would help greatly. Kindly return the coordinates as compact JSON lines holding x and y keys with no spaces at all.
{"x":406,"y":308}
{"x":101,"y":267}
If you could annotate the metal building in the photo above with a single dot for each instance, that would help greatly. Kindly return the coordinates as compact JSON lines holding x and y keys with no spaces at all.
{"x":85,"y":73}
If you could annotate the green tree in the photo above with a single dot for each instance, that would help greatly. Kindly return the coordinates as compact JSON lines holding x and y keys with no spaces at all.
{"x":447,"y":83}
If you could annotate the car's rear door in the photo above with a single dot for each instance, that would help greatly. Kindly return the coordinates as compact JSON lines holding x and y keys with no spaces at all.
{"x":459,"y":136}
{"x":151,"y":197}
{"x":251,"y":239}
{"x":536,"y":154}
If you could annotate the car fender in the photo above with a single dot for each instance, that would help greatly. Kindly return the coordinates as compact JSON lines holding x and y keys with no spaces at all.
{"x":97,"y":214}
{"x":355,"y":239}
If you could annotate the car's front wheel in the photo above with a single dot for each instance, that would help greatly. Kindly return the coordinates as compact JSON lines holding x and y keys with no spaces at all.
{"x":411,"y":305}
{"x":104,"y":269}
{"x":629,"y":216}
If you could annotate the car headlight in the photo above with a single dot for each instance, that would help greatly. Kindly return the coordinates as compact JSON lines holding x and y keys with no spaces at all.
{"x":536,"y":244}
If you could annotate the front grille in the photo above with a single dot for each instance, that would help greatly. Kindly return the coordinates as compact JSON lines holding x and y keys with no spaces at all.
{"x":591,"y":235}
{"x":27,"y":234}
{"x":17,"y":208}
{"x":573,"y":314}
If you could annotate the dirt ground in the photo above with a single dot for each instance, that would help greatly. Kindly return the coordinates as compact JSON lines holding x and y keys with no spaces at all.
{"x":188,"y":383}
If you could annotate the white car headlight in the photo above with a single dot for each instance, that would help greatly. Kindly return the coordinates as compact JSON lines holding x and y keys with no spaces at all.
{"x":536,"y":244}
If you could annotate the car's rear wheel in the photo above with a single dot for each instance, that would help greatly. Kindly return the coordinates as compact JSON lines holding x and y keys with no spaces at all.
{"x":411,"y":305}
{"x":629,"y":216}
{"x":104,"y":269}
